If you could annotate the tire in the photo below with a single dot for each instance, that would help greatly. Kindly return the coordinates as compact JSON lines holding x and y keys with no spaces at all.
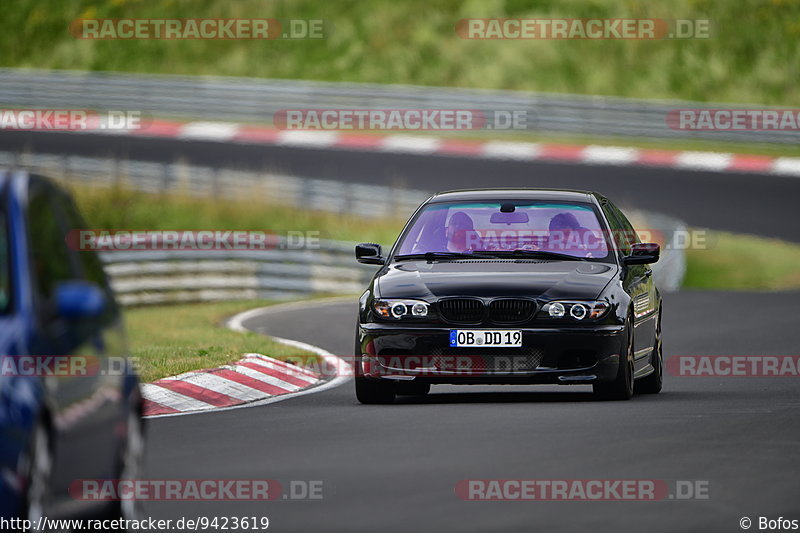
{"x":132,"y":454}
{"x":653,"y":383}
{"x":413,"y":388}
{"x":622,"y":386}
{"x":371,"y":392}
{"x":130,"y":459}
{"x":38,"y":468}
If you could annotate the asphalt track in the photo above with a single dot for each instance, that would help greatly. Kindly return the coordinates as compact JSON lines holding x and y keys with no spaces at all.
{"x":760,"y":204}
{"x":394,"y":468}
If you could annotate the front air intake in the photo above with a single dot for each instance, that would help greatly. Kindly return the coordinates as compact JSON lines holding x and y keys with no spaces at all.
{"x":511,"y":310}
{"x":462,"y":310}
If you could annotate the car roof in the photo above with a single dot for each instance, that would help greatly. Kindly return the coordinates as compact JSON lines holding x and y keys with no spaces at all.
{"x":518,"y":193}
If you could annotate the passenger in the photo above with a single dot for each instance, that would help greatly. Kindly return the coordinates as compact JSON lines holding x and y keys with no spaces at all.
{"x":567,"y":234}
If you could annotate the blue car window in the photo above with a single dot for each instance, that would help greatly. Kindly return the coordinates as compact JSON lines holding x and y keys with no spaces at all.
{"x":50,"y":259}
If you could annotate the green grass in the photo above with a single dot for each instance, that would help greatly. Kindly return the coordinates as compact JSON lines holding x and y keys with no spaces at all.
{"x":172,"y":339}
{"x":752,"y":57}
{"x":168,"y":340}
{"x":120,"y":208}
{"x":743,"y":262}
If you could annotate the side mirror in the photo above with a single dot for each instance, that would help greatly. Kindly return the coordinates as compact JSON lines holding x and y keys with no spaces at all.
{"x":79,"y":299}
{"x":369,"y":254}
{"x":643,"y":253}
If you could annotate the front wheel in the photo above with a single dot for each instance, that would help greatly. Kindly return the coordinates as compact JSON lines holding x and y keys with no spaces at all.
{"x":622,"y":386}
{"x":369,"y":391}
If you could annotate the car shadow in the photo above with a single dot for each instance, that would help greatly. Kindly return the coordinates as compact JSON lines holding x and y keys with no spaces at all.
{"x":581,"y":395}
{"x":499,"y":397}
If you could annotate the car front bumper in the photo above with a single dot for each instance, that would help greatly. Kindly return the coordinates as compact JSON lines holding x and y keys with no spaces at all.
{"x":560,"y":355}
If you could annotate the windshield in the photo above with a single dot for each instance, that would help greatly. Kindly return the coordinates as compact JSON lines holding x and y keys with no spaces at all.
{"x":560,"y":228}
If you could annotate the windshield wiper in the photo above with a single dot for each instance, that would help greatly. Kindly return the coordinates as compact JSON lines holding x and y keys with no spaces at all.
{"x":433,"y":256}
{"x":483,"y":254}
{"x":536,"y":254}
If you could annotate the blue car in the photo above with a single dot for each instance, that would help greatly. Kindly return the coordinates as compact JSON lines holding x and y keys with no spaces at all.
{"x":70,"y":405}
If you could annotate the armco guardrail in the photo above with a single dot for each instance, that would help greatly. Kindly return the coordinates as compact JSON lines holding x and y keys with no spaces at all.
{"x":152,"y":277}
{"x":257,"y":100}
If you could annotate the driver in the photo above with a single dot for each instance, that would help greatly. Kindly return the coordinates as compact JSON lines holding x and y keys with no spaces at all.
{"x":459,"y":228}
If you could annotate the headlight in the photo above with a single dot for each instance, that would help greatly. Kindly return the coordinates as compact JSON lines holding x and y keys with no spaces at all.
{"x":578,"y":311}
{"x":398,"y":309}
{"x":589,"y":310}
{"x":555,"y":309}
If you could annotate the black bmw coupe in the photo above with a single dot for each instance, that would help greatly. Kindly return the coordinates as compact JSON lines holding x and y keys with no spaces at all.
{"x":510,"y":286}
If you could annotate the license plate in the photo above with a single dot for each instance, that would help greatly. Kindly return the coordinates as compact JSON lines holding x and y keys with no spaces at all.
{"x":486,"y":338}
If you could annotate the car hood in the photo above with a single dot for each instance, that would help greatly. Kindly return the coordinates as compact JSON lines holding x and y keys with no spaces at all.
{"x":493,"y":278}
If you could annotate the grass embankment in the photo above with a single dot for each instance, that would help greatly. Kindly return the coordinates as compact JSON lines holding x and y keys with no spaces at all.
{"x":744,"y":262}
{"x":171,"y":339}
{"x":120,"y":208}
{"x":749,"y":58}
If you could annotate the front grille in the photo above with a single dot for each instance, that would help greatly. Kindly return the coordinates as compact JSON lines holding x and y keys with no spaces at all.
{"x":487,"y":360}
{"x":462,"y":310}
{"x":511,"y":311}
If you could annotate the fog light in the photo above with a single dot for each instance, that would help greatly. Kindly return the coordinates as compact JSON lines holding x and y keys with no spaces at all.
{"x":419,"y":309}
{"x":398,"y":310}
{"x":578,"y":311}
{"x":556,"y":310}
